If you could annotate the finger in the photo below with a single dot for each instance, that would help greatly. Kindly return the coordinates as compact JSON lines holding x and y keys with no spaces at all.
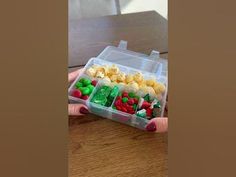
{"x":77,"y":109}
{"x":72,"y":76}
{"x":158,"y":124}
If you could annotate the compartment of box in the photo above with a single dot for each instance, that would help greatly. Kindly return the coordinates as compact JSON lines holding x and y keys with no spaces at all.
{"x":74,"y":87}
{"x":102,"y":98}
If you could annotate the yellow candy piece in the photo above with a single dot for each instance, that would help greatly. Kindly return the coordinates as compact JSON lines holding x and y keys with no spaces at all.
{"x":121,"y":77}
{"x":159,"y":88}
{"x":150,"y":90}
{"x":129,"y":78}
{"x":104,"y":69}
{"x":91,"y":72}
{"x":113,"y":70}
{"x":133,"y":86}
{"x":150,"y":82}
{"x":99,"y":74}
{"x":142,"y":83}
{"x":113,"y":78}
{"x":138,"y":77}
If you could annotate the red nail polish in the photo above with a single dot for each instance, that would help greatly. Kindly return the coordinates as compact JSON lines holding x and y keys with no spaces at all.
{"x":83,"y":110}
{"x":151,"y":127}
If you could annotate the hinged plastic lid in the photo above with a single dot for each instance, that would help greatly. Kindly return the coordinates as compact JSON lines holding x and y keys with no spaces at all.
{"x":120,"y":55}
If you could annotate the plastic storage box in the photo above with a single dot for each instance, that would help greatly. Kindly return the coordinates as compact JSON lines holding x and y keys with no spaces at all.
{"x":128,"y":62}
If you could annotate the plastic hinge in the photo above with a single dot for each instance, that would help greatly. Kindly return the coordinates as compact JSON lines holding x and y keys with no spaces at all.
{"x":123,"y":44}
{"x":154,"y":55}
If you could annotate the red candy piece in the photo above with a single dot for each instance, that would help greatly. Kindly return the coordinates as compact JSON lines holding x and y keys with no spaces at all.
{"x":135,"y":100}
{"x":125,"y":94}
{"x":145,"y":105}
{"x":119,"y":98}
{"x":132,"y":112}
{"x":124,"y":109}
{"x":118,"y":103}
{"x":94,"y":83}
{"x":131,"y":101}
{"x":125,"y":105}
{"x":85,"y":97}
{"x":77,"y":93}
{"x":149,"y":112}
{"x":118,"y":108}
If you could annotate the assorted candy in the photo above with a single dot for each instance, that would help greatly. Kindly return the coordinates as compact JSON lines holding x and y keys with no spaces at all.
{"x":126,"y":102}
{"x":105,"y":95}
{"x":134,"y":82}
{"x":148,"y":108}
{"x":84,"y":87}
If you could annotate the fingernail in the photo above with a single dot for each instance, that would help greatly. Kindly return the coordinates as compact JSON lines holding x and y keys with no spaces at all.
{"x":151,"y":127}
{"x":83,"y":110}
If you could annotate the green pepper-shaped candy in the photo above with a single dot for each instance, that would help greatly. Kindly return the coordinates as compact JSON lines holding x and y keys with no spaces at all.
{"x":114,"y":91}
{"x":147,"y":97}
{"x":99,"y":99}
{"x":157,"y":105}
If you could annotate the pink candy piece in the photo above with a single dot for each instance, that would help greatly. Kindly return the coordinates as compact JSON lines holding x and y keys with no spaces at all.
{"x":94,"y":83}
{"x":85,"y":97}
{"x":76,"y":93}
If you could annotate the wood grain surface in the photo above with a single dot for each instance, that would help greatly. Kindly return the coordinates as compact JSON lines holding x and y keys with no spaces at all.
{"x":144,"y":31}
{"x":99,"y":147}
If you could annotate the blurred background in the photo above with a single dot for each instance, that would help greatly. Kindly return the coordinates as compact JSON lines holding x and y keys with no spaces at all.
{"x":94,"y":8}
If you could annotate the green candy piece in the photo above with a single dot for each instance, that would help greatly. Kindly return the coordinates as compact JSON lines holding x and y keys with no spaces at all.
{"x":141,"y":113}
{"x":91,"y":87}
{"x":113,"y":107}
{"x":78,"y":85}
{"x":131,"y":94}
{"x":147,"y":97}
{"x":86,"y":82}
{"x":134,"y":106}
{"x":114,"y":92}
{"x":108,"y":103}
{"x":101,"y":96}
{"x":124,"y":99}
{"x":81,"y":80}
{"x":99,"y":99}
{"x":104,"y":90}
{"x":158,"y":105}
{"x":155,"y":112}
{"x":85,"y":90}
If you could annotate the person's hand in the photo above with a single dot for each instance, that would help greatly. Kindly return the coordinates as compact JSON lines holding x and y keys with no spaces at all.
{"x":76,"y":109}
{"x":159,"y":124}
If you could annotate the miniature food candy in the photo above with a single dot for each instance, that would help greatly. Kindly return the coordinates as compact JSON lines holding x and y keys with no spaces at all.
{"x":124,"y":103}
{"x":105,"y":95}
{"x":152,"y":107}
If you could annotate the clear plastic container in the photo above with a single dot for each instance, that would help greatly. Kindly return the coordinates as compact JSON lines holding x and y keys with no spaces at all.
{"x":128,"y":62}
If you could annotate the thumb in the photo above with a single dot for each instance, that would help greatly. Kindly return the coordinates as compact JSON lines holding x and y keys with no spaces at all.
{"x":159,"y":124}
{"x":77,"y":109}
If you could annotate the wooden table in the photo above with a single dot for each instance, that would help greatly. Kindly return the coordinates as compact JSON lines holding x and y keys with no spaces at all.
{"x":99,"y":147}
